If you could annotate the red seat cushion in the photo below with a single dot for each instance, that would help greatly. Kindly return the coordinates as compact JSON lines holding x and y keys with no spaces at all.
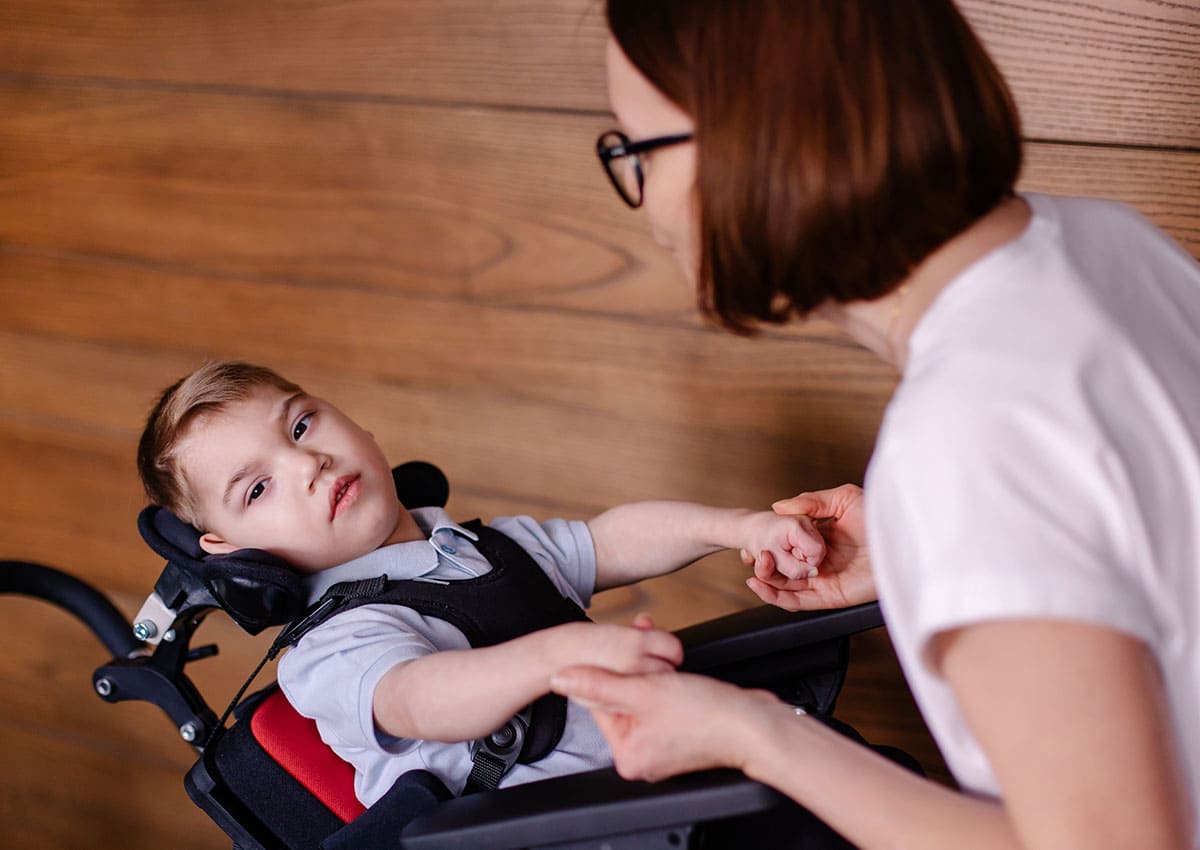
{"x":293,"y":741}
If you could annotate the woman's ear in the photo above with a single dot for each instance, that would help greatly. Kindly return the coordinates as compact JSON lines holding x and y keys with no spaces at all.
{"x":214,"y":545}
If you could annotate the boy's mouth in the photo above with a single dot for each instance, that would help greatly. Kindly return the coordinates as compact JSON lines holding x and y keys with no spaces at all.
{"x":343,"y":493}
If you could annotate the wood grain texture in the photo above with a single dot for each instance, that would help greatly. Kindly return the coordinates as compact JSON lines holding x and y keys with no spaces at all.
{"x":540,"y":53}
{"x":396,"y":203}
{"x":1116,"y":71}
{"x":1123,"y":72}
{"x":572,"y":423}
{"x":424,"y":200}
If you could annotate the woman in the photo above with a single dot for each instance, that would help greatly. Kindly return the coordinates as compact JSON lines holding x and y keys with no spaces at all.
{"x":1032,"y":507}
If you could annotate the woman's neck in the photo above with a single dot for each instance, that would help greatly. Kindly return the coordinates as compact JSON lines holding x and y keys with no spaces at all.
{"x":885,"y":325}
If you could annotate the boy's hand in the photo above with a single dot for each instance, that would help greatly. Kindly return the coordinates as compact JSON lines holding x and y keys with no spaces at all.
{"x":788,"y":545}
{"x":640,"y":648}
{"x":845,"y":576}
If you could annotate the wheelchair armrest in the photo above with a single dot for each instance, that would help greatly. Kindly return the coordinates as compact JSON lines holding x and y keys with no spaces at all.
{"x":752,"y":648}
{"x":587,"y":806}
{"x":765,"y":630}
{"x":800,"y":657}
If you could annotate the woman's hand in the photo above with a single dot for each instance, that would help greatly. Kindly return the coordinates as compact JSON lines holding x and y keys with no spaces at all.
{"x":422,"y":698}
{"x":844,"y":575}
{"x":663,"y":724}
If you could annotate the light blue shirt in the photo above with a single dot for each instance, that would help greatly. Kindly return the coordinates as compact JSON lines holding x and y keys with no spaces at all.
{"x":332,"y":674}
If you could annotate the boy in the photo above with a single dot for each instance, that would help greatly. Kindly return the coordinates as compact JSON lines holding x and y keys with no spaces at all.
{"x":253,"y":462}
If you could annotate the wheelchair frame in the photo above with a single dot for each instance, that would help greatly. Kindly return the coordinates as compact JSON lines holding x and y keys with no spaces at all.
{"x":802,"y":657}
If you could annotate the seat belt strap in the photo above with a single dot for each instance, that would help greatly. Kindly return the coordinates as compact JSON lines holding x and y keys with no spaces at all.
{"x":486,"y":773}
{"x":492,"y":756}
{"x":325,"y":607}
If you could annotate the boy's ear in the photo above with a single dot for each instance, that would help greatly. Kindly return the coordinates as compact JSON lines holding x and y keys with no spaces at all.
{"x":214,"y":545}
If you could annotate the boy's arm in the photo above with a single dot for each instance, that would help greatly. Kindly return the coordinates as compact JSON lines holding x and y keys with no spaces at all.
{"x":644,"y":539}
{"x":460,"y":695}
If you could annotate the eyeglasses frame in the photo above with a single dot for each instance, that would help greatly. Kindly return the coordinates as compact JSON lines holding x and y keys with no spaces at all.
{"x":628,"y":148}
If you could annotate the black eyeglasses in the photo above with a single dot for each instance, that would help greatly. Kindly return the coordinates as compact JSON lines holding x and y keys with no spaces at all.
{"x":622,"y":161}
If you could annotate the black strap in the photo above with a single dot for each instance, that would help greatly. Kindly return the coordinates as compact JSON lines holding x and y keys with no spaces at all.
{"x":548,"y":714}
{"x":492,"y":756}
{"x":324,"y":608}
{"x":515,"y":598}
{"x":333,"y":600}
{"x":486,"y":773}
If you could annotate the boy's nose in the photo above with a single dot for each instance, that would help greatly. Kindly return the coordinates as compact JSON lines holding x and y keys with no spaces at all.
{"x":317,"y":462}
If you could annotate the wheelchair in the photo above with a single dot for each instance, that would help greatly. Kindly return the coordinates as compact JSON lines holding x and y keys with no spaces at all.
{"x":270,"y":783}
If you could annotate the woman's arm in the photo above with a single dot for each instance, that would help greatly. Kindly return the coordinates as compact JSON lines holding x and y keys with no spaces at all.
{"x":660,"y":725}
{"x":644,"y":539}
{"x":1075,"y":722}
{"x":1073,"y":718}
{"x":423,"y":699}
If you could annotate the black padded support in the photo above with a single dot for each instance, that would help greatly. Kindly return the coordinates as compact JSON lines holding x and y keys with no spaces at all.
{"x":766,"y":629}
{"x":420,"y":484}
{"x":801,"y":657}
{"x":254,"y":800}
{"x":413,"y":793}
{"x":255,"y":588}
{"x":585,"y":806}
{"x":727,"y":810}
{"x":515,"y":598}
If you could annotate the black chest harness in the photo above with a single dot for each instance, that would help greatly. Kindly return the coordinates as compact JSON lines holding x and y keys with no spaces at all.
{"x":514,"y":599}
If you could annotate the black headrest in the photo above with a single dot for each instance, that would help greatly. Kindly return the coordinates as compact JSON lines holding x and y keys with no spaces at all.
{"x":256,"y":588}
{"x":420,"y":484}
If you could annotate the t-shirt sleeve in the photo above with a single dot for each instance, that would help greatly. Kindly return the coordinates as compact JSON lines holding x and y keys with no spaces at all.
{"x":562,"y":548}
{"x":1004,"y":513}
{"x":331,"y":675}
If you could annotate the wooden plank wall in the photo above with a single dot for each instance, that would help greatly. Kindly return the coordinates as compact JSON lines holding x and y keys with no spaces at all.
{"x":396,"y":203}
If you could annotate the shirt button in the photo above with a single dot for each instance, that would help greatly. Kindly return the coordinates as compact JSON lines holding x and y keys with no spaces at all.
{"x":449,"y":550}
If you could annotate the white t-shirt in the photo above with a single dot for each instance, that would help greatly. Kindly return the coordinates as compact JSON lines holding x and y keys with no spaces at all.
{"x":332,"y":673}
{"x":1041,"y":458}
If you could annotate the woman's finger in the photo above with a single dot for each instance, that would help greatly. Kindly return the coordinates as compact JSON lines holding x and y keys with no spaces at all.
{"x":819,"y":504}
{"x":804,"y":504}
{"x":594,"y":688}
{"x":788,"y":600}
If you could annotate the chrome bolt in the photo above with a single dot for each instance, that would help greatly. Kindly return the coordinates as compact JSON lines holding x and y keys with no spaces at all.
{"x":188,"y":732}
{"x":169,"y":635}
{"x":104,"y":687}
{"x":144,"y":629}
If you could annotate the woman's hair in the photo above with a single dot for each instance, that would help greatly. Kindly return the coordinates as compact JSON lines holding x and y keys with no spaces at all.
{"x":840,"y":141}
{"x":209,"y":389}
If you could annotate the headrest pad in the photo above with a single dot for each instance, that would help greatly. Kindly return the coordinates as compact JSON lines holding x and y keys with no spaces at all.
{"x":257,"y":589}
{"x":170,"y":536}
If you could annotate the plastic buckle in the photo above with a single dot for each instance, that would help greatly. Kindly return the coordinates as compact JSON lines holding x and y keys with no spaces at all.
{"x":494,"y":755}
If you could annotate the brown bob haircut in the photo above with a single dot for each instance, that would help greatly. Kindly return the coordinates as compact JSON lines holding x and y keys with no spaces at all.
{"x":209,"y":389}
{"x":840,"y":142}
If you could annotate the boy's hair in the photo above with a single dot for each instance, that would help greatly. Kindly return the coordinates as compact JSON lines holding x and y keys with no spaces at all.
{"x":209,"y":389}
{"x":839,"y":142}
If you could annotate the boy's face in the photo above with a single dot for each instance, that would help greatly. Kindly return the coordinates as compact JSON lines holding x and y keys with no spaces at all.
{"x":293,"y":475}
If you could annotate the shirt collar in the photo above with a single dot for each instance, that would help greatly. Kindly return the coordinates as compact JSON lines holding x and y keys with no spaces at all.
{"x":409,"y":560}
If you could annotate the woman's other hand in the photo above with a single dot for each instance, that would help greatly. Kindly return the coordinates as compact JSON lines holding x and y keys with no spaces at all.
{"x":663,"y":724}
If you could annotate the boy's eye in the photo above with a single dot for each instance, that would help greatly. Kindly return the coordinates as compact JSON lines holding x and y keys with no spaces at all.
{"x":301,"y":426}
{"x":256,"y":491}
